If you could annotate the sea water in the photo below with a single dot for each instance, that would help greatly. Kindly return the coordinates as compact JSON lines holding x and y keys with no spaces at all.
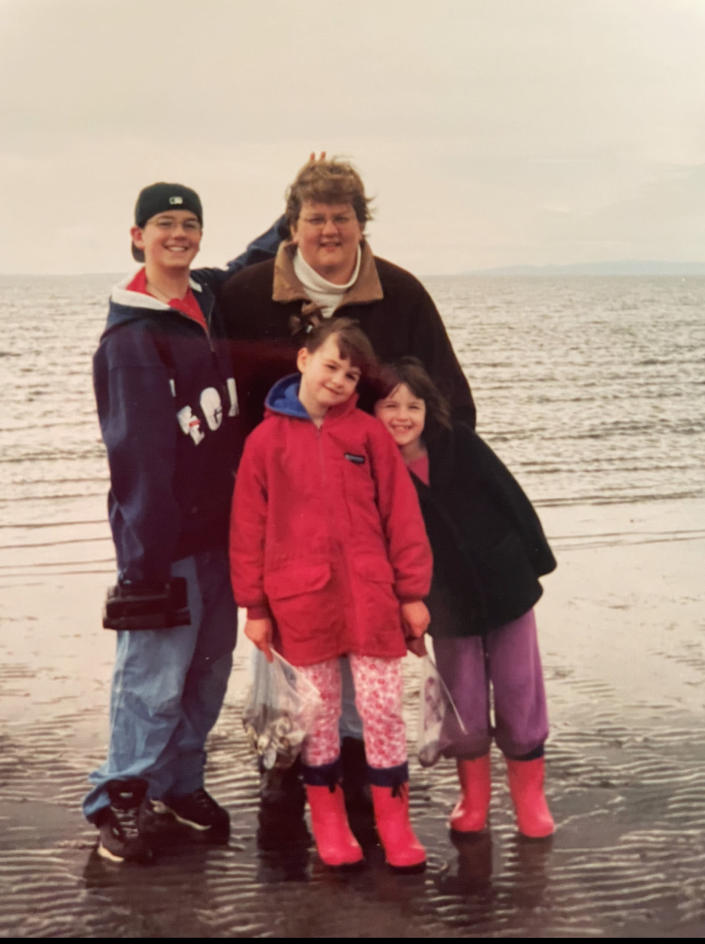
{"x":592,"y":390}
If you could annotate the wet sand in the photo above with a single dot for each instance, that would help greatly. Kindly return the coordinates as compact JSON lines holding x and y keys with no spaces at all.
{"x":621,"y":629}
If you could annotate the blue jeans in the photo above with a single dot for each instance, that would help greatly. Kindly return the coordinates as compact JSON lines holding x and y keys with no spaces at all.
{"x":168,"y":688}
{"x":350,"y":720}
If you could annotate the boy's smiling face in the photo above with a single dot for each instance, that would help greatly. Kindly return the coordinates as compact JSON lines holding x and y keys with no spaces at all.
{"x":169,"y":240}
{"x":327,"y":378}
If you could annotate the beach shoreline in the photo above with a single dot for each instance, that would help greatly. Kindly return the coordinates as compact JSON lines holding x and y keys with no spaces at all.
{"x":621,"y":634}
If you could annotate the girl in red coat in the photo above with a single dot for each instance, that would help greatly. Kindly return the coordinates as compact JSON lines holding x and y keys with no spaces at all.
{"x":329,"y":555}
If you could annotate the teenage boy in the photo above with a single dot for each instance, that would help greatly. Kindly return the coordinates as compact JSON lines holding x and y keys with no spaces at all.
{"x":168,"y":410}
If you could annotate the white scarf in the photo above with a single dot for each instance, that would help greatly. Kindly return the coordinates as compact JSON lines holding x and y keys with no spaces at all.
{"x":327,"y":295}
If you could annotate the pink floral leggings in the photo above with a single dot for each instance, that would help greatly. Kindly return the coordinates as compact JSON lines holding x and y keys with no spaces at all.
{"x":378,"y":698}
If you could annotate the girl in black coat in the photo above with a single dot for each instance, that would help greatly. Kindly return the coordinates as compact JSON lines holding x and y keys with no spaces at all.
{"x":489,"y":550}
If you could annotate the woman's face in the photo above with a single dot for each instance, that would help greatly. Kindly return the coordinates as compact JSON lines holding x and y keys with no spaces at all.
{"x":327,"y":235}
{"x":403,"y":414}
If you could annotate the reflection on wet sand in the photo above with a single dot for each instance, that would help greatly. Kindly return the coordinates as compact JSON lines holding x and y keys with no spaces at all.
{"x":624,"y":665}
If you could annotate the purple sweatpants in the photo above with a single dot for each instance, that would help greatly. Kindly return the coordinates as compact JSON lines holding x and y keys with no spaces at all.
{"x":508,"y":658}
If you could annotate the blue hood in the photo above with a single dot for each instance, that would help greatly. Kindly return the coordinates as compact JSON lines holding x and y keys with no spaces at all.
{"x":283,"y":398}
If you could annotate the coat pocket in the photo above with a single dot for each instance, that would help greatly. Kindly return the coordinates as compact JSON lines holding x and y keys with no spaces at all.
{"x":377,"y":604}
{"x":295,"y":580}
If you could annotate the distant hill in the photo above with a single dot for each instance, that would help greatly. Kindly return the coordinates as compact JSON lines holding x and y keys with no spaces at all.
{"x":627,"y":267}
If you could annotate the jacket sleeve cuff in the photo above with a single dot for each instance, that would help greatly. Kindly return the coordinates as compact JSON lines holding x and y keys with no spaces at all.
{"x":411,"y":599}
{"x":258,"y":612}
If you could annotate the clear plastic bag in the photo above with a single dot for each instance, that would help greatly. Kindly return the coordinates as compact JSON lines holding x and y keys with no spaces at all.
{"x":278,"y":711}
{"x":439,"y":724}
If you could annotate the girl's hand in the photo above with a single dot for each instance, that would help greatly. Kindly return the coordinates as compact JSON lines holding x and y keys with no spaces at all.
{"x":417,"y":646}
{"x":260,"y":632}
{"x":415,"y":618}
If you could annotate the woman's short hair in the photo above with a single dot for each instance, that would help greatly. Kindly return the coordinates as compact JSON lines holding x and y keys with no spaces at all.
{"x":328,"y":181}
{"x":353,"y":343}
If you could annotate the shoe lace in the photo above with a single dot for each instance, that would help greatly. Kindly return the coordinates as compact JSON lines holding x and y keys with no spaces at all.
{"x":127,"y":821}
{"x":203,"y":800}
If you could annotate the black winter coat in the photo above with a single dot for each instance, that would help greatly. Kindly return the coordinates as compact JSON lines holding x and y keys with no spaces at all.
{"x":262,"y":311}
{"x":489,"y":548}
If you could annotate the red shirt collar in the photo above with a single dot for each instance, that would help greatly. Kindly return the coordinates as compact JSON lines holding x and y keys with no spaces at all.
{"x":188,"y":305}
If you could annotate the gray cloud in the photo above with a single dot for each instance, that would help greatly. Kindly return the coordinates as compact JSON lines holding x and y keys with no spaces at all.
{"x":512,"y":132}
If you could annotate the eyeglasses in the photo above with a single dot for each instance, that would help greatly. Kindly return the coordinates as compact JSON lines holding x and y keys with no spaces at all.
{"x":318,"y":221}
{"x":168,"y":223}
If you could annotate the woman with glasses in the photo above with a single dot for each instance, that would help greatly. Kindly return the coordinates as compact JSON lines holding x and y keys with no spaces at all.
{"x":325,"y":270}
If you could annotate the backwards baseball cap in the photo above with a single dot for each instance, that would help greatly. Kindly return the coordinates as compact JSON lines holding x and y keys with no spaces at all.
{"x":162,"y":197}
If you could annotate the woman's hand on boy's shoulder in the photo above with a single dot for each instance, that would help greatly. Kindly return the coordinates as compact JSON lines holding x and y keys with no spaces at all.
{"x":260,"y":631}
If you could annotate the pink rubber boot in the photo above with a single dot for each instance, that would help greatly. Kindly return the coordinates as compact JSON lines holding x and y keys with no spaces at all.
{"x":402,"y":849}
{"x":334,"y":840}
{"x":526,"y":786}
{"x":470,"y":813}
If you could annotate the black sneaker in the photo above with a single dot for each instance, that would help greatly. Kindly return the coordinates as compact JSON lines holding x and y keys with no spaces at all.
{"x":119,"y":836}
{"x":199,"y":812}
{"x":283,"y":789}
{"x":156,"y":823}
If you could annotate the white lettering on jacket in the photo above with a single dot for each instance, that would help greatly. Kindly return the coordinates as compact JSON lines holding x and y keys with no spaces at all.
{"x":232,"y":393}
{"x":212,"y":407}
{"x":190,"y":424}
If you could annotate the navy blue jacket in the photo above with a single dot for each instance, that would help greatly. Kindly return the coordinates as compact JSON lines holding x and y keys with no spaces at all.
{"x":167,"y":405}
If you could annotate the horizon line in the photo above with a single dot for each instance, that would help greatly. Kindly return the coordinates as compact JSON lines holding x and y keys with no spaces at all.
{"x":507,"y":268}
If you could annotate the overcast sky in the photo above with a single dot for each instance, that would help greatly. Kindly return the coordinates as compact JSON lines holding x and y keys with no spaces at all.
{"x":491,"y":132}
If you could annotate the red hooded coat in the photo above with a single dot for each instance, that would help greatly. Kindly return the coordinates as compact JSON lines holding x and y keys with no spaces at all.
{"x":326,"y":532}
